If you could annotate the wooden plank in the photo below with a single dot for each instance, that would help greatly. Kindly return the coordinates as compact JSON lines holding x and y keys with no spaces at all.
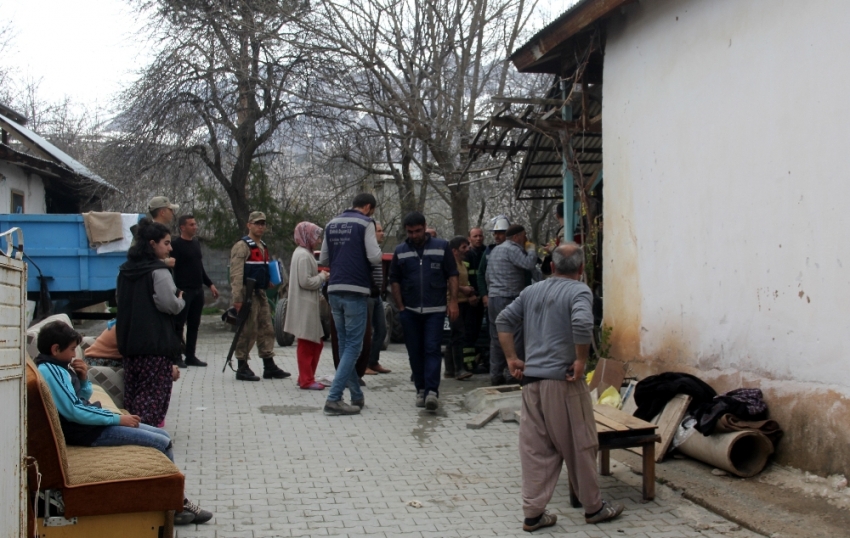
{"x":621,"y":417}
{"x":527,"y":100}
{"x":482,"y":418}
{"x":611,"y":423}
{"x":602,"y":428}
{"x":561,"y":30}
{"x":669,"y":422}
{"x":626,"y":442}
{"x":509,"y":415}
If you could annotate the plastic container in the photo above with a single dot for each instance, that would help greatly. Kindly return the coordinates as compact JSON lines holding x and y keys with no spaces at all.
{"x":275,"y":272}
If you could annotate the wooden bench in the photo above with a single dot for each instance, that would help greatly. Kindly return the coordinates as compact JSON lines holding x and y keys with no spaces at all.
{"x":617,"y":429}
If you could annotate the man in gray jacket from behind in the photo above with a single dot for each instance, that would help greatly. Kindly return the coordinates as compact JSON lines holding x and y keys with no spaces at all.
{"x":557,"y":423}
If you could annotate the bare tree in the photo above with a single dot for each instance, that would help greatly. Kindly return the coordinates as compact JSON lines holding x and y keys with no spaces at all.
{"x":216,"y":92}
{"x":419,"y":70}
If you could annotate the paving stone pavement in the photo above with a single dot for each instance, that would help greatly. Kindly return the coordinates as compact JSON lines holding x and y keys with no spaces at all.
{"x":267,"y":462}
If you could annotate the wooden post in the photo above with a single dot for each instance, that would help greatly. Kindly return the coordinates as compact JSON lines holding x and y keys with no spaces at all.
{"x":605,"y":462}
{"x":648,"y":471}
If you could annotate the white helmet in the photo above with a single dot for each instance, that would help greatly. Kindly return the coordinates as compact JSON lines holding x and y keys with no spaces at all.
{"x":499,"y":223}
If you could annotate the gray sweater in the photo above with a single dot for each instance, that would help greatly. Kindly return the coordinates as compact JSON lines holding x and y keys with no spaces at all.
{"x":555,"y":315}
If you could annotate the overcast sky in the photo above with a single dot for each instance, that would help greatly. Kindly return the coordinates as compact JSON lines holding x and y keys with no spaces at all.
{"x":85,"y":49}
{"x":88,"y":50}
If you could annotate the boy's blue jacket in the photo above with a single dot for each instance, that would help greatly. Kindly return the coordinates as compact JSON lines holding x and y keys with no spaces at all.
{"x":82,"y":422}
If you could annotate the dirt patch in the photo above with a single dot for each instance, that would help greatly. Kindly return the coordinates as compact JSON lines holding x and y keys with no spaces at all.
{"x":287,"y":410}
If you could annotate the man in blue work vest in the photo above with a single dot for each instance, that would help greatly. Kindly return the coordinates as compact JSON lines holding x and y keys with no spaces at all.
{"x":422,"y":269}
{"x":351,"y":250}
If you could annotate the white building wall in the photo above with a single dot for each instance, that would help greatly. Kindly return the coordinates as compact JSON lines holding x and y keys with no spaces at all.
{"x":727,"y":200}
{"x":14,"y":178}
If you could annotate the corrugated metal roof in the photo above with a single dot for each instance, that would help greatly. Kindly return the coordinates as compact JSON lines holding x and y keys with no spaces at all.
{"x":41,"y":146}
{"x":541,"y":167}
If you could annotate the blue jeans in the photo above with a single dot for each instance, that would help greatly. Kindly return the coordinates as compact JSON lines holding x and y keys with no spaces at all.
{"x":349,"y":311}
{"x":144,"y":435}
{"x":379,"y":329}
{"x":423,"y":334}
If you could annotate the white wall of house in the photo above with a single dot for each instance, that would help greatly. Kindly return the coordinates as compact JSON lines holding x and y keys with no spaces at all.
{"x":13,"y":178}
{"x":726,"y":135}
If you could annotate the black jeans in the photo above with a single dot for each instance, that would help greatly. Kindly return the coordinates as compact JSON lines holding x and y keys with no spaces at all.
{"x":191,"y":315}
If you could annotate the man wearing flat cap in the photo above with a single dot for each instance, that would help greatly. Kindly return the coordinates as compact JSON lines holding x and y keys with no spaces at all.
{"x":249,"y":258}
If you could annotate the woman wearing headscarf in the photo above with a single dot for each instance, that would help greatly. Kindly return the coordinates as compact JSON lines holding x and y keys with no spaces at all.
{"x":148,"y":301}
{"x":302,"y":310}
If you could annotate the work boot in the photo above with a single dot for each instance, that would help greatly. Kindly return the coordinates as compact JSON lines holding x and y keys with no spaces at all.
{"x":194,"y":361}
{"x":243,"y":373}
{"x":272,"y":371}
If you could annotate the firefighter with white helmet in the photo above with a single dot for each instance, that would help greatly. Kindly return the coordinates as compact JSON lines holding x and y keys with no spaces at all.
{"x":498,"y":225}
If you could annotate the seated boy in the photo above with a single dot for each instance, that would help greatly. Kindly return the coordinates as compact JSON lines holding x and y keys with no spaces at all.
{"x":84,"y":424}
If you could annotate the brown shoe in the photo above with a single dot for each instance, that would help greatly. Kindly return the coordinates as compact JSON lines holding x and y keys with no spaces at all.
{"x":370,"y":371}
{"x":381,"y":370}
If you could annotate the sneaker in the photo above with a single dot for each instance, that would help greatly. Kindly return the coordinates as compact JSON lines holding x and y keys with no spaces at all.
{"x":180,"y":362}
{"x":463,"y":374}
{"x":194,"y":361}
{"x":420,"y":398}
{"x":608,"y":512}
{"x":361,"y":403}
{"x":200,"y":515}
{"x":244,"y":373}
{"x":340,"y":408}
{"x":432,"y":402}
{"x":183,"y":518}
{"x":545,"y":520}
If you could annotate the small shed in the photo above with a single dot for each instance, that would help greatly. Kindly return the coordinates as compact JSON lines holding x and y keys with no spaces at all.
{"x":37,"y":177}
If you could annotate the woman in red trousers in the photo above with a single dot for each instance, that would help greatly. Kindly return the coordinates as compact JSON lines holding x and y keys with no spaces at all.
{"x":302,"y":309}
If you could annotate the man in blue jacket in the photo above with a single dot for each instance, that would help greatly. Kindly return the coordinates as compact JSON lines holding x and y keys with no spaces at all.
{"x":422,"y":269}
{"x":351,"y":251}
